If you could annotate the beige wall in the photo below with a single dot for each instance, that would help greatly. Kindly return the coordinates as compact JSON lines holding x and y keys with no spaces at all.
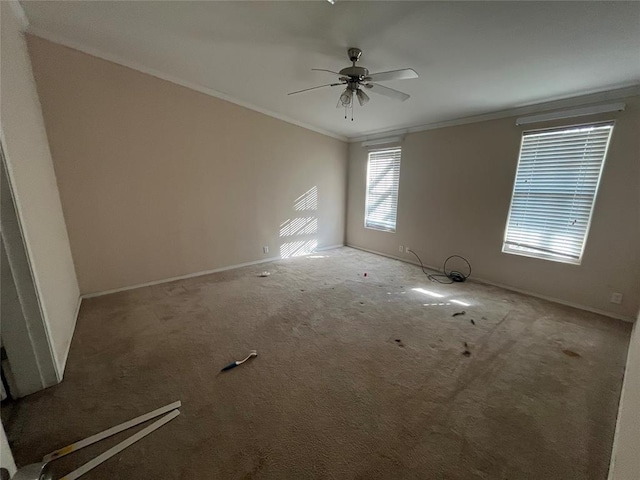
{"x":158,"y":181}
{"x":625,"y":459}
{"x":31,"y":173}
{"x":455,"y":191}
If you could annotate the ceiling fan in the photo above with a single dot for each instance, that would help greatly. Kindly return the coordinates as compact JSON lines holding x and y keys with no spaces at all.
{"x":358,"y":79}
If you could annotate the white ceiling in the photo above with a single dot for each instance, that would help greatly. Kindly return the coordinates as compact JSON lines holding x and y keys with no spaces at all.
{"x":472,"y":57}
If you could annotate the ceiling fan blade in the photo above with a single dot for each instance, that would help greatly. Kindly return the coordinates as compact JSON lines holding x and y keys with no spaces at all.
{"x":404,"y":74}
{"x":313,"y":88}
{"x":387,"y":92}
{"x":324,"y":70}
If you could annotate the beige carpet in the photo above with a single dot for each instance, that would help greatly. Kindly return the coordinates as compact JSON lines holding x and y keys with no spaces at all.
{"x":357,"y":378}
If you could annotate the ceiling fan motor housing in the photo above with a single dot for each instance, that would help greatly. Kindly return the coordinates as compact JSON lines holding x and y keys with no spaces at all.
{"x":354,"y":54}
{"x":355,"y":73}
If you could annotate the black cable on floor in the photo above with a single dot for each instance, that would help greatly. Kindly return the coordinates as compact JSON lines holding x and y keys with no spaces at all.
{"x":452,"y":276}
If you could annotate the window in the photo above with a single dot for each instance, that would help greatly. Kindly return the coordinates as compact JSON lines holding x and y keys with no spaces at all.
{"x":383,"y":176}
{"x":555,"y":189}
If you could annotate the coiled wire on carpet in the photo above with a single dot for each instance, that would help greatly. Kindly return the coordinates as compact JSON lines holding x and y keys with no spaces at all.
{"x":452,"y":276}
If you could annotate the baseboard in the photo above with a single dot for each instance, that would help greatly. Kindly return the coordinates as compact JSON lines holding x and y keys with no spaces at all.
{"x":405,"y":260}
{"x":330,"y":247}
{"x":196,"y":274}
{"x":61,"y":366}
{"x":557,"y":300}
{"x":180,"y":277}
{"x":193,"y":275}
{"x":508,"y":287}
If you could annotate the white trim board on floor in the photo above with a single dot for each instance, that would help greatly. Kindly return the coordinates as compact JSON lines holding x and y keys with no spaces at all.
{"x":507,"y":287}
{"x":196,"y":274}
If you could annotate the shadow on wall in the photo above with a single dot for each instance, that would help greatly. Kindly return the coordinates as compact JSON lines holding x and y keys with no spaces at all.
{"x":298,"y":234}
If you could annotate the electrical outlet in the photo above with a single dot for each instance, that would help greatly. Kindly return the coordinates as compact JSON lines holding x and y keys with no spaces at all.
{"x":401,"y":249}
{"x":407,"y":249}
{"x":265,"y":249}
{"x":616,"y":298}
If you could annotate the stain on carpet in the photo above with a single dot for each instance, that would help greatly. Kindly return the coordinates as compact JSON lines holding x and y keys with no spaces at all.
{"x":571,"y":353}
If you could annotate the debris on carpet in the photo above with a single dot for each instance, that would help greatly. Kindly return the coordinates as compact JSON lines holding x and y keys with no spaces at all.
{"x":466,"y":352}
{"x":571,"y":353}
{"x":265,"y":274}
{"x":473,"y":322}
{"x":41,"y":469}
{"x":253,"y":353}
{"x":459,"y":313}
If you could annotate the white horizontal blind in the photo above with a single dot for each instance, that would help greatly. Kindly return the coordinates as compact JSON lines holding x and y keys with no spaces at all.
{"x":383,"y":177}
{"x":555,"y":188}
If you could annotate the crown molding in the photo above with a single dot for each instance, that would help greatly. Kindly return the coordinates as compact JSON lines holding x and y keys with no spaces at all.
{"x":19,"y":13}
{"x":31,"y":30}
{"x":576,"y":112}
{"x":578,"y":101}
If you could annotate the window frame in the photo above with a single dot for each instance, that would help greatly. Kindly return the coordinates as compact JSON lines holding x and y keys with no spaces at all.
{"x":510,"y":250}
{"x":369,"y":225}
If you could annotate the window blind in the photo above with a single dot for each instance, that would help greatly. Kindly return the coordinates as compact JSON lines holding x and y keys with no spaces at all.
{"x":554,"y":192}
{"x":383,"y":178}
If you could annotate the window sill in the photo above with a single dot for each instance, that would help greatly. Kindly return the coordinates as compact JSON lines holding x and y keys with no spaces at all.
{"x":380,"y":229}
{"x":541,"y":256}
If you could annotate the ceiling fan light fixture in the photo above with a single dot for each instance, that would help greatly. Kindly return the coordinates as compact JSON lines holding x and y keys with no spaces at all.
{"x":363,"y":98}
{"x":345,"y":98}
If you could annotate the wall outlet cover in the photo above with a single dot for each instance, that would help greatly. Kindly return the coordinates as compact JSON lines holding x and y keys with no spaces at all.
{"x":616,"y":298}
{"x":401,"y":248}
{"x":265,"y":249}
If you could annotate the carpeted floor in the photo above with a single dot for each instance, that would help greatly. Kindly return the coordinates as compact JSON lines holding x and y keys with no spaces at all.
{"x":356,"y":378}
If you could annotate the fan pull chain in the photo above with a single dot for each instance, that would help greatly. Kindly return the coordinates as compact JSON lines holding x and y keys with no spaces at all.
{"x":353,"y":98}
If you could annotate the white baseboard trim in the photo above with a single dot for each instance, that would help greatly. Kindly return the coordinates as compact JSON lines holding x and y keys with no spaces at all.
{"x":513,"y":289}
{"x":180,"y":277}
{"x":330,"y":247}
{"x":557,"y":300}
{"x":405,"y":260}
{"x":63,"y":364}
{"x":192,"y":275}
